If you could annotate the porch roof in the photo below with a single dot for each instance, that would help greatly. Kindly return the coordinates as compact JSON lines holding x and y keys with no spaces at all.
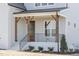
{"x":42,"y":10}
{"x":46,"y":15}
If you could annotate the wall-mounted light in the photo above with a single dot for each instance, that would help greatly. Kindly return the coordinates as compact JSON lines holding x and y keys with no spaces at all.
{"x":74,"y":25}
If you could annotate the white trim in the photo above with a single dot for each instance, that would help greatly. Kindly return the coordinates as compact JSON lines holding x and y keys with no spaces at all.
{"x":35,"y":14}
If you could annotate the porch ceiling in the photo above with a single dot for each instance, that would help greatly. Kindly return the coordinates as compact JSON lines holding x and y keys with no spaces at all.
{"x":43,"y":15}
{"x":47,"y":17}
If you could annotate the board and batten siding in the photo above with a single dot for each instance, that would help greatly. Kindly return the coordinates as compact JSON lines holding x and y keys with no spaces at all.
{"x":21,"y":26}
{"x":4,"y":26}
{"x":72,"y":17}
{"x":7,"y":26}
{"x":40,"y":29}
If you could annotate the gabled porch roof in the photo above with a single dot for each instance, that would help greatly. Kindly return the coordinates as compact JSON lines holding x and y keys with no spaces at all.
{"x":41,"y":10}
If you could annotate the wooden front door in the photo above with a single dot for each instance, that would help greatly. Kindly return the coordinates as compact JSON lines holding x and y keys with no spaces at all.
{"x":31,"y":31}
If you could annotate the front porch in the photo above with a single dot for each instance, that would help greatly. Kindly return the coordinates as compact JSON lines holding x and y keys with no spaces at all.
{"x":40,"y":29}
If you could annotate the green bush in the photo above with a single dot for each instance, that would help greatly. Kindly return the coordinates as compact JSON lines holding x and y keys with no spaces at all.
{"x":63,"y":44}
{"x":71,"y":50}
{"x":50,"y":48}
{"x":76,"y":51}
{"x":40,"y":48}
{"x":31,"y":48}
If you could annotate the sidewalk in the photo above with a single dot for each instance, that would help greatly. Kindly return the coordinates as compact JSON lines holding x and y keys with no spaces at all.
{"x":18,"y":53}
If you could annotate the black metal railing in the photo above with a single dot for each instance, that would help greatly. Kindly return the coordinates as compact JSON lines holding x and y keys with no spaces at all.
{"x":23,"y":42}
{"x":39,"y":37}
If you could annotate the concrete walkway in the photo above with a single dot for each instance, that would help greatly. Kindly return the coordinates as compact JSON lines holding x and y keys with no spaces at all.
{"x":18,"y":53}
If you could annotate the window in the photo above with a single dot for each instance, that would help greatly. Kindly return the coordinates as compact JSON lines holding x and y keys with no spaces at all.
{"x":37,"y":4}
{"x":50,"y":3}
{"x":50,"y":32}
{"x":44,"y":4}
{"x":53,"y":32}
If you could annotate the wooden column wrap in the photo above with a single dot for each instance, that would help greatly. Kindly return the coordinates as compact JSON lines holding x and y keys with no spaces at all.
{"x":27,"y":22}
{"x":57,"y":27}
{"x":16,"y":21}
{"x":17,"y":18}
{"x":57,"y":30}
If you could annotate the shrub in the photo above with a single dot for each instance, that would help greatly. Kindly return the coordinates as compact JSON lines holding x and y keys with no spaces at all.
{"x":50,"y":48}
{"x":31,"y":48}
{"x":35,"y":50}
{"x":40,"y":48}
{"x":71,"y":50}
{"x":63,"y":44}
{"x":76,"y":51}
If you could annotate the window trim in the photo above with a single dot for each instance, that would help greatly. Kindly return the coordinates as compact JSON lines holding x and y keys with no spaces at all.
{"x":51,"y":33}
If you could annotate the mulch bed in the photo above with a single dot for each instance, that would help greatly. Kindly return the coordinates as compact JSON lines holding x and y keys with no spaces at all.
{"x":2,"y":49}
{"x":47,"y":52}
